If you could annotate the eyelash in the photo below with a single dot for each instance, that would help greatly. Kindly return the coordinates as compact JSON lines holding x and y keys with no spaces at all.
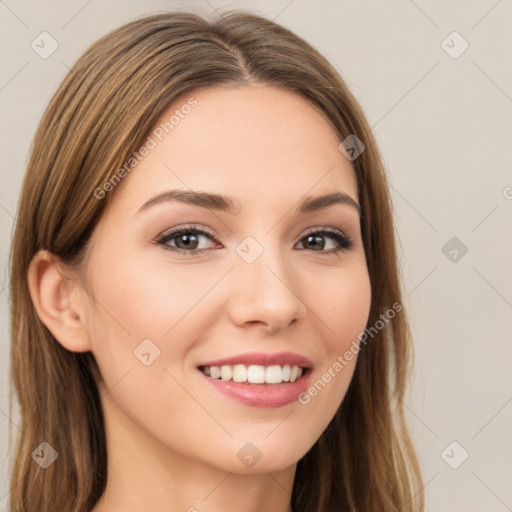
{"x":343,"y":240}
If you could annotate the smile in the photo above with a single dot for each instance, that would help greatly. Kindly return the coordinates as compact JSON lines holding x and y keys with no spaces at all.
{"x":259,"y":380}
{"x":254,"y":374}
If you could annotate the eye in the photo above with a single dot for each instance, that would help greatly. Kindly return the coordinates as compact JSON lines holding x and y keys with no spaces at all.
{"x":316,"y":238}
{"x":186,"y":240}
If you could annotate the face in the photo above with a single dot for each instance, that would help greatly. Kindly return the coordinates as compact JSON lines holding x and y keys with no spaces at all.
{"x":203,"y":315}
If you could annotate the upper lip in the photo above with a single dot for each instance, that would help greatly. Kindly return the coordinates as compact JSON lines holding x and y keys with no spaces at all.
{"x":280,"y":358}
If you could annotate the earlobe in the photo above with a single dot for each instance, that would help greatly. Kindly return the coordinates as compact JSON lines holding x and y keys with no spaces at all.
{"x":54,"y":295}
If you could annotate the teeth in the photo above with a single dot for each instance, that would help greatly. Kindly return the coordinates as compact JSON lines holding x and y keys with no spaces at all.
{"x":274,"y":375}
{"x":286,"y":373}
{"x":255,"y":373}
{"x":225,"y":372}
{"x":239,"y":373}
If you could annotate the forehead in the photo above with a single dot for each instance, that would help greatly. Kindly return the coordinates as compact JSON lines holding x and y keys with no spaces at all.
{"x":259,"y":144}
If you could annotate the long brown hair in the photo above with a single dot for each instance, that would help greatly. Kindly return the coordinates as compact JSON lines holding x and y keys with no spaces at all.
{"x":103,"y":112}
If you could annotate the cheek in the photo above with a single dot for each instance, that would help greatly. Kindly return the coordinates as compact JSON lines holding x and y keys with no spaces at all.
{"x":148,"y":301}
{"x":344,"y":304}
{"x":141,"y":329}
{"x":149,"y":314}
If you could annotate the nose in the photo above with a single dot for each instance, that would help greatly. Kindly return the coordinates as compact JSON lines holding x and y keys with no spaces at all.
{"x":265,"y":292}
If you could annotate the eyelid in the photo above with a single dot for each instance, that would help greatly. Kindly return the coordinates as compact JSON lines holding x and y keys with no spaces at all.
{"x":187,"y":227}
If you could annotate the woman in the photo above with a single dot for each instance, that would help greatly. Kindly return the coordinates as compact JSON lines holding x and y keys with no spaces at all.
{"x":206,"y":310}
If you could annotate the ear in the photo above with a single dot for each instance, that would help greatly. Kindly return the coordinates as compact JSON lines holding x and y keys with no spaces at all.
{"x":58,"y":299}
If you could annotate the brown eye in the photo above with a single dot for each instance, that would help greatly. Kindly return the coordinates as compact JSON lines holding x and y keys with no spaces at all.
{"x":185,"y":240}
{"x":315,"y":240}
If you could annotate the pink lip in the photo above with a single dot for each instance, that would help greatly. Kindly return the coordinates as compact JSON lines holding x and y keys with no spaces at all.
{"x":263,"y":395}
{"x":280,"y":358}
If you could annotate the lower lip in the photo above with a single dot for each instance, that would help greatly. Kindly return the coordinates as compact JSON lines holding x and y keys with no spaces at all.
{"x":261,"y":395}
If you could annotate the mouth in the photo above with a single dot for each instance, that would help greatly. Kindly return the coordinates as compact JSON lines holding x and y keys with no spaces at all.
{"x":259,"y":380}
{"x":255,"y":373}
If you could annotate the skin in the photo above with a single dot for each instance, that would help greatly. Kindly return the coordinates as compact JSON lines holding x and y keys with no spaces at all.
{"x":172,"y":438}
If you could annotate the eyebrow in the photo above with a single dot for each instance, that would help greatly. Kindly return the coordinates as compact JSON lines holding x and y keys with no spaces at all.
{"x":227,"y":204}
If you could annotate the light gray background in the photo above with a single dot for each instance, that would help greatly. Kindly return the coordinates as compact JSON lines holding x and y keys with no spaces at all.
{"x":445,"y":131}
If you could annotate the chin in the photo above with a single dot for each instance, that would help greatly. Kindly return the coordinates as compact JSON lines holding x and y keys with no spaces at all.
{"x":262,"y":455}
